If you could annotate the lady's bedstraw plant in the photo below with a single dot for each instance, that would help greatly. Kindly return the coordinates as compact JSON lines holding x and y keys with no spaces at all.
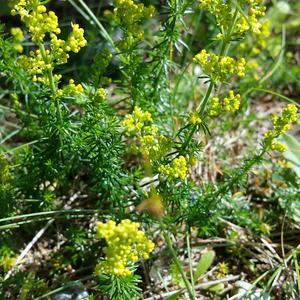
{"x":40,"y":63}
{"x":234,"y":19}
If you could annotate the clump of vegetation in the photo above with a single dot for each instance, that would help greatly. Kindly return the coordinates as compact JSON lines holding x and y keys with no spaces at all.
{"x":148,"y":150}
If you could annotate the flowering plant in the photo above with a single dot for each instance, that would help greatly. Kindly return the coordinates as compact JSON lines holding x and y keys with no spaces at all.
{"x":161,"y":120}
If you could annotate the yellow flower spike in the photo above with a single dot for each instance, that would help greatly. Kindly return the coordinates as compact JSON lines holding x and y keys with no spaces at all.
{"x":280,"y":125}
{"x":40,"y":24}
{"x":224,"y":12}
{"x":17,"y":34}
{"x":194,"y":118}
{"x":219,"y":67}
{"x":100,"y":95}
{"x":125,"y":246}
{"x":278,"y":146}
{"x":177,"y":169}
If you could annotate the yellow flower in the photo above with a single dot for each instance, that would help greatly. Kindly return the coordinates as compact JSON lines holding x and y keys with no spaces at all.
{"x":76,"y":40}
{"x":129,"y":15}
{"x":177,"y":169}
{"x":278,"y":146}
{"x":126,"y":244}
{"x":72,"y":88}
{"x":224,"y":12}
{"x":100,"y":95}
{"x":41,"y":24}
{"x":280,"y":125}
{"x":194,"y":118}
{"x":219,"y":67}
{"x":17,"y":33}
{"x":230,"y":103}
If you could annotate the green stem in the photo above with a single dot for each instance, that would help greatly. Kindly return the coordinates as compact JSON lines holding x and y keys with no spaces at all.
{"x":203,"y":103}
{"x":53,"y":88}
{"x":178,"y":265}
{"x":189,"y":250}
{"x":100,"y":26}
{"x":205,"y":100}
{"x":184,"y":146}
{"x":48,"y":213}
{"x":49,"y":72}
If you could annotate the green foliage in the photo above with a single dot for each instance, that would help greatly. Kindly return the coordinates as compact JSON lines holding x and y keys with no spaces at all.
{"x":204,"y":263}
{"x":170,"y":127}
{"x":121,"y":288}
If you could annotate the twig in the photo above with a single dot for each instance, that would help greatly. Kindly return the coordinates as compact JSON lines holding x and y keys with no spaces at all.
{"x":28,"y":247}
{"x":197,"y":287}
{"x":35,"y":239}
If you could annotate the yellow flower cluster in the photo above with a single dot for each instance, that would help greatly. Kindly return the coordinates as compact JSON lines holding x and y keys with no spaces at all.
{"x":36,"y":18}
{"x":76,"y":39}
{"x":278,"y":146}
{"x":220,"y":9}
{"x":6,"y":262}
{"x":137,"y":120}
{"x":35,"y":65}
{"x":219,"y":67}
{"x":222,"y":270}
{"x":70,"y":89}
{"x":176,"y":169}
{"x":129,"y":15}
{"x":126,"y":244}
{"x":280,"y":125}
{"x":18,"y":37}
{"x":231,"y":103}
{"x":224,"y":12}
{"x":194,"y":118}
{"x":155,"y":146}
{"x":100,"y":95}
{"x":40,"y":23}
{"x":258,"y":40}
{"x":101,"y":62}
{"x":141,"y":124}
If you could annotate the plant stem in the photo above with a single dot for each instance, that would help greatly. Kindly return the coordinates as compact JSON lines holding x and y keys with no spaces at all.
{"x":49,"y":72}
{"x":203,"y":103}
{"x":189,"y":250}
{"x":53,"y":88}
{"x":206,"y":97}
{"x":100,"y":26}
{"x":178,"y":265}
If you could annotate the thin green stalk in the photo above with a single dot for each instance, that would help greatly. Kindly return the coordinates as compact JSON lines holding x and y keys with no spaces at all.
{"x":53,"y":89}
{"x":189,"y":250}
{"x":276,"y":94}
{"x":178,"y":265}
{"x":297,"y":270}
{"x":97,"y":22}
{"x":206,"y":98}
{"x":59,"y":217}
{"x":46,"y":213}
{"x":203,"y":103}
